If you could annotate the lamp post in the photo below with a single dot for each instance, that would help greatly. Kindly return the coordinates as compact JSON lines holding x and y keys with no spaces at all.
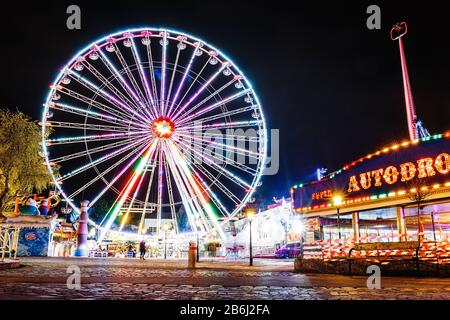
{"x":337,"y":201}
{"x":250,"y":214}
{"x":199,"y":224}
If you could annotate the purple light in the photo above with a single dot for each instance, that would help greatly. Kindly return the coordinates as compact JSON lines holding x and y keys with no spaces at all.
{"x":203,"y":87}
{"x":182,"y":82}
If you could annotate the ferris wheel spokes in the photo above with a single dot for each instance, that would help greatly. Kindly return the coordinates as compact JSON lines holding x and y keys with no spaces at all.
{"x":146,"y":145}
{"x":102,"y":174}
{"x":194,"y":81}
{"x":160,"y":187}
{"x":108,"y":84}
{"x":172,"y":78}
{"x":212,"y":106}
{"x":223,"y":125}
{"x":226,"y":114}
{"x":183,"y":79}
{"x":124,"y":123}
{"x":170,"y":191}
{"x":92,"y":138}
{"x":199,"y":91}
{"x":187,"y":191}
{"x":116,"y":111}
{"x":91,"y":151}
{"x":138,"y":171}
{"x":224,"y":159}
{"x":135,"y":193}
{"x":162,"y":96}
{"x":146,"y":41}
{"x":147,"y":195}
{"x":125,"y":86}
{"x":184,"y":194}
{"x":137,"y":93}
{"x":197,"y":193}
{"x":193,"y":166}
{"x":98,"y":161}
{"x":213,"y":94}
{"x":136,"y":99}
{"x":212,"y":162}
{"x":105,"y":95}
{"x":216,"y":182}
{"x":136,"y":90}
{"x":153,"y":111}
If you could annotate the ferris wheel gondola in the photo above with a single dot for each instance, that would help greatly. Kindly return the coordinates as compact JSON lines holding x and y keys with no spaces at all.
{"x":141,"y":115}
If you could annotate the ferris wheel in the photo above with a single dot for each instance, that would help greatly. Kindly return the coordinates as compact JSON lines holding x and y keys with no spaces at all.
{"x":159,"y":122}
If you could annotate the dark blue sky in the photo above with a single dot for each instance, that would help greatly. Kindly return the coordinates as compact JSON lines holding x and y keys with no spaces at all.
{"x":332,"y":87}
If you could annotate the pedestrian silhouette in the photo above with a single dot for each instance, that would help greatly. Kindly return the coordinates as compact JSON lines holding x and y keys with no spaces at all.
{"x":142,"y":249}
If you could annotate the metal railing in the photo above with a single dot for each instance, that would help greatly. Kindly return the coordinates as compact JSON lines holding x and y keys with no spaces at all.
{"x":9,"y":238}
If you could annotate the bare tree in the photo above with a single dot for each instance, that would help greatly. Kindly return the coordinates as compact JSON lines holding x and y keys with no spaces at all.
{"x":419,"y":192}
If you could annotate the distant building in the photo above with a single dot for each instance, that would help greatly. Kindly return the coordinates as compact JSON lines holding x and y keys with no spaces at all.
{"x":150,"y":225}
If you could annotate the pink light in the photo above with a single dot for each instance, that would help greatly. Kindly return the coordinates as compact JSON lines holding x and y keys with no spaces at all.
{"x":205,"y":85}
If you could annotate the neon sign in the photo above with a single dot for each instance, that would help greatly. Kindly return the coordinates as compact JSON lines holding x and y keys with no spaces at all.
{"x":422,"y":168}
{"x":384,"y":172}
{"x":325,"y":194}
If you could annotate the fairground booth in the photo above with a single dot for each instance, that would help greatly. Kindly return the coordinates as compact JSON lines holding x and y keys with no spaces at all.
{"x":393,"y":202}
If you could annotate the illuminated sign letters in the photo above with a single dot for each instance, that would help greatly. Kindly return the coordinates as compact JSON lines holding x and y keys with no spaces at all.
{"x":423,"y":168}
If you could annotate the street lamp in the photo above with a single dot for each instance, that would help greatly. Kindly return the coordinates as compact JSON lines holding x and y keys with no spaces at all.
{"x":166,"y":228}
{"x":199,"y":224}
{"x":337,"y":202}
{"x":250,"y":214}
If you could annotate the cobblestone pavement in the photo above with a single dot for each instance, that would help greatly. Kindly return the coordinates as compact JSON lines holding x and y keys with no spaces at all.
{"x":45,"y":278}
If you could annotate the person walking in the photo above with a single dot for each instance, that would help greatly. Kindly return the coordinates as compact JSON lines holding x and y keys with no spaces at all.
{"x":142,"y":249}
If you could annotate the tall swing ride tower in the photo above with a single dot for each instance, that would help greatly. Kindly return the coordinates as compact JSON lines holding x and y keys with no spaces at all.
{"x":415,"y":127}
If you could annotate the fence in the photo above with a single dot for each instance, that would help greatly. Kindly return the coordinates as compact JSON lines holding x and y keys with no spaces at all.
{"x":329,"y":250}
{"x":9,"y":238}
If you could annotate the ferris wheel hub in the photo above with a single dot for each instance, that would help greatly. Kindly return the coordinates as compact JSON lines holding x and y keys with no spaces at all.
{"x":163,"y":127}
{"x":112,"y":105}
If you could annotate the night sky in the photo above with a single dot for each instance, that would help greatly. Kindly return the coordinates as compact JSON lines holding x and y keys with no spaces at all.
{"x":332,"y":87}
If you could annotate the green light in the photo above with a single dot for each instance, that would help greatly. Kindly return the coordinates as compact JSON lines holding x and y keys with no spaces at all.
{"x":212,"y":210}
{"x":373,"y":197}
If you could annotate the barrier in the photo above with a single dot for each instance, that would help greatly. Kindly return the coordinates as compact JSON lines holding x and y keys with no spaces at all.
{"x":337,"y":249}
{"x":9,"y":238}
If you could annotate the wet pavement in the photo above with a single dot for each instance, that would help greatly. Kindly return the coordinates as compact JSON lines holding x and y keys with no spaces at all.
{"x":108,"y":278}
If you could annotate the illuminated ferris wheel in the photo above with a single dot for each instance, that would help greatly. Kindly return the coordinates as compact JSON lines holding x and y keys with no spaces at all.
{"x":162,"y":123}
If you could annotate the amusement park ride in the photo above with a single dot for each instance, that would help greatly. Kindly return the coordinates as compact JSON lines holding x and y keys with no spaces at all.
{"x":415,"y":127}
{"x":132,"y":108}
{"x":144,"y":114}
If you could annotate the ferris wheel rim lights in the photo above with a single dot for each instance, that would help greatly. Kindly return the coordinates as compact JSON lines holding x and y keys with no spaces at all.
{"x":92,"y":51}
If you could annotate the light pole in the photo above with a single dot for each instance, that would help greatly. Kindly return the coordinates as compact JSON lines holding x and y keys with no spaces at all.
{"x":337,"y":201}
{"x":250,"y":214}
